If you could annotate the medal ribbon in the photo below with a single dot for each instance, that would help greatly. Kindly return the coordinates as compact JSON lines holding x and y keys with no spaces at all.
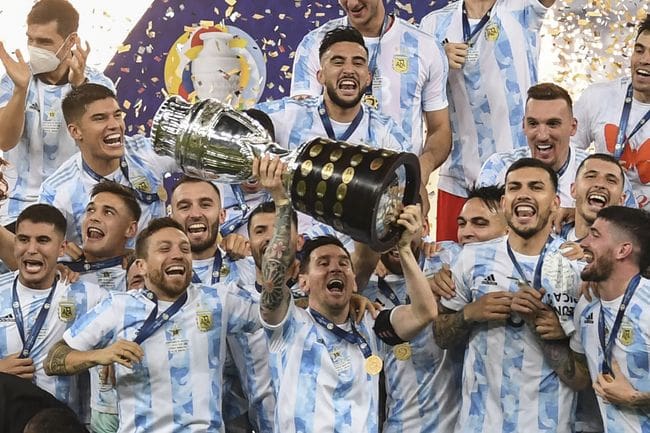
{"x":609,"y":345}
{"x":562,"y":169}
{"x":216,"y":270}
{"x":145,"y":197}
{"x":468,"y":34}
{"x":372,"y":62}
{"x":621,"y":139}
{"x":387,"y":291}
{"x":327,"y":123}
{"x":28,"y":343}
{"x":82,"y":266}
{"x":537,"y":277}
{"x":153,"y":323}
{"x":351,"y":337}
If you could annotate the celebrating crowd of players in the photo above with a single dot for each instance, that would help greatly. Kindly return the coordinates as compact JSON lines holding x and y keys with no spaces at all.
{"x":221,"y":309}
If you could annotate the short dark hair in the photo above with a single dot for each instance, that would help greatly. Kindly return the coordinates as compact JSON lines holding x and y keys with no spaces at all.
{"x":602,"y":157}
{"x":263,"y":119}
{"x":61,"y":11}
{"x":77,"y":100}
{"x":341,"y":34}
{"x":54,"y":420}
{"x":124,"y":193}
{"x":43,"y":213}
{"x":489,"y":195}
{"x":533,"y":163}
{"x":644,"y":26}
{"x":268,"y":207}
{"x":154,"y":226}
{"x":190,"y":179}
{"x":317,"y":242}
{"x":549,"y":92}
{"x":635,"y":223}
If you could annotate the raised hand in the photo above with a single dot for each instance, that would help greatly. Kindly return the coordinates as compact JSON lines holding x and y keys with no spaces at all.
{"x":18,"y":70}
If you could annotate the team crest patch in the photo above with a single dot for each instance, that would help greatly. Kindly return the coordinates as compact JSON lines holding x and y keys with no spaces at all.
{"x":204,"y":320}
{"x":141,"y":184}
{"x":626,"y":335}
{"x":400,"y":63}
{"x":67,"y":311}
{"x":492,"y":32}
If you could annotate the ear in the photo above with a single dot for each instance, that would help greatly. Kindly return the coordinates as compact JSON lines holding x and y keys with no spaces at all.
{"x":62,"y":247}
{"x":132,"y":230}
{"x":320,"y":78}
{"x":623,"y":251}
{"x":503,"y":203}
{"x":302,"y":283}
{"x":573,"y":190}
{"x":556,"y":203}
{"x":75,"y":131}
{"x":369,"y":80}
{"x":222,"y":216}
{"x":574,"y":126}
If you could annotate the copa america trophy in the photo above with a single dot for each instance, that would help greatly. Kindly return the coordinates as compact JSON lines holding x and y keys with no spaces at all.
{"x":562,"y":284}
{"x":356,"y":189}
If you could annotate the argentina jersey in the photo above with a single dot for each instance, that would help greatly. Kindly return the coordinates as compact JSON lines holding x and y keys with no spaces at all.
{"x":319,"y":379}
{"x":69,"y":302}
{"x":44,"y":144}
{"x":250,"y":353}
{"x":487,"y":95}
{"x":422,"y":380}
{"x":410,"y":76}
{"x":507,"y":384}
{"x":240,"y":271}
{"x":177,"y":386}
{"x":103,"y":397}
{"x":68,"y":189}
{"x":631,"y":351}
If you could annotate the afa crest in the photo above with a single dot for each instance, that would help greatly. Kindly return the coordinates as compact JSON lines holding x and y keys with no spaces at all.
{"x":626,"y":335}
{"x":204,"y":321}
{"x":67,"y":311}
{"x":400,"y":63}
{"x":492,"y":32}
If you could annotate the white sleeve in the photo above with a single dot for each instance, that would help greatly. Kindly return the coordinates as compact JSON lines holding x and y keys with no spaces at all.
{"x":305,"y":66}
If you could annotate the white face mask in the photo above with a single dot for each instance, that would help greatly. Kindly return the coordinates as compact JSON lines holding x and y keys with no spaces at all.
{"x":42,"y":60}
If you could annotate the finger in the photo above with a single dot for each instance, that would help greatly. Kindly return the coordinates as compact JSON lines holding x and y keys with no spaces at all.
{"x":616,"y":369}
{"x":28,"y":376}
{"x":20,"y":57}
{"x":132,"y":347}
{"x":497,"y":316}
{"x":256,"y":167}
{"x":520,"y":307}
{"x":358,"y":315}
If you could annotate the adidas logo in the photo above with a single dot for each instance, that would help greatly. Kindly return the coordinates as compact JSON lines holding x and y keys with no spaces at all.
{"x":8,"y":318}
{"x":490,"y":280}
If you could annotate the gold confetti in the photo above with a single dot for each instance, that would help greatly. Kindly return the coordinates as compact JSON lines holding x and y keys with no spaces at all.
{"x":124,"y":48}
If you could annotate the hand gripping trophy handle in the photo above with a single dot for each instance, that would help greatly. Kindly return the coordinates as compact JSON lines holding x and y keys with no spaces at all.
{"x":356,"y":189}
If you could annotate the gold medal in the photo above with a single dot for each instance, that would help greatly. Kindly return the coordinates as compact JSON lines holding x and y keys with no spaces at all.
{"x":371,"y":101}
{"x":402,"y":351}
{"x":162,"y":193}
{"x":374,"y":365}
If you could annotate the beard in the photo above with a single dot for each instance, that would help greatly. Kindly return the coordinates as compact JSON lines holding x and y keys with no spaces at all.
{"x":599,"y":269}
{"x":199,"y":247}
{"x":529,"y":232}
{"x":158,"y":279}
{"x":331,"y":92}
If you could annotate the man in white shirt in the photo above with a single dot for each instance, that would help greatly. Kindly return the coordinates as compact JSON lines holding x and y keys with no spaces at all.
{"x":614,"y":116}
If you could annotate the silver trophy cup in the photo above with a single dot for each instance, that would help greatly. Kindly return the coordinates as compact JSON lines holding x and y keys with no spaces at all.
{"x":356,"y":189}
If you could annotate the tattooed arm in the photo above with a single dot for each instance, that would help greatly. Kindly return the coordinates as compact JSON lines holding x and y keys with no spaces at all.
{"x":62,"y":360}
{"x":451,"y":329}
{"x":570,"y":366}
{"x":280,"y":253}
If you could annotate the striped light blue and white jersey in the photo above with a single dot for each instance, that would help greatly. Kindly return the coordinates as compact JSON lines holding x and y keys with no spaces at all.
{"x":494,"y":171}
{"x":487,"y":96}
{"x":238,"y":205}
{"x":103,"y":397}
{"x":68,"y":189}
{"x":319,"y":379}
{"x":410,"y":78}
{"x":423,"y":391}
{"x":631,"y":350}
{"x":241,"y":271}
{"x":45,"y":143}
{"x":598,"y":122}
{"x":297,"y":121}
{"x":69,"y":303}
{"x":177,"y":386}
{"x":507,"y":384}
{"x":250,"y":353}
